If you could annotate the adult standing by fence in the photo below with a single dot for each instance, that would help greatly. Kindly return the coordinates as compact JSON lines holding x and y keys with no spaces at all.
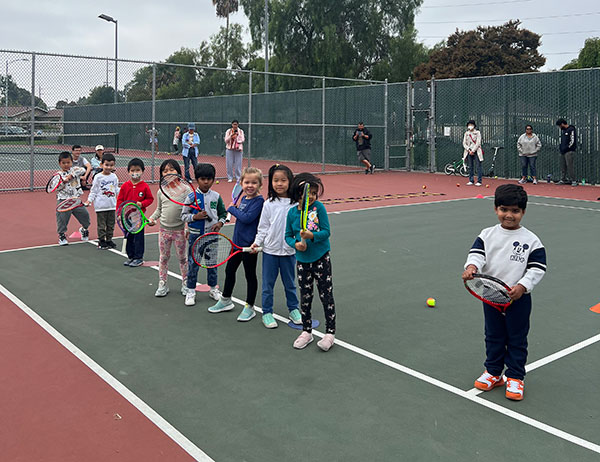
{"x":362,"y":138}
{"x":189,"y":150}
{"x":568,"y":145}
{"x":234,"y":151}
{"x":473,"y":154}
{"x":528,"y":146}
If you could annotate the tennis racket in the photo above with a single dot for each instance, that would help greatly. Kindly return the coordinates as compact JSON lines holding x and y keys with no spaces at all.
{"x":91,"y":176}
{"x":236,"y":195}
{"x":133,"y":218}
{"x":214,"y":249}
{"x":177,"y":189}
{"x":69,"y":204}
{"x":304,"y":208}
{"x":54,"y":182}
{"x":490,"y":290}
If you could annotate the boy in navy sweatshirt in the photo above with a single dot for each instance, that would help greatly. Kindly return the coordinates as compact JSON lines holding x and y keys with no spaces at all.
{"x":247,"y":216}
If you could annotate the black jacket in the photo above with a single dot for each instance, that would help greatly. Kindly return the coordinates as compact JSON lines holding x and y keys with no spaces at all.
{"x":366,"y":143}
{"x":568,"y":139}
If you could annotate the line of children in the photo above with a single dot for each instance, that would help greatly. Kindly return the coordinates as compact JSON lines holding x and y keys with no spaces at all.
{"x":247,"y":215}
{"x":171,"y":231}
{"x":135,"y":190}
{"x":211,"y":217}
{"x":103,"y":195}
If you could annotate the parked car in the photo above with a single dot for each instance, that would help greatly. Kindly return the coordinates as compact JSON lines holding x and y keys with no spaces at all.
{"x":12,"y":130}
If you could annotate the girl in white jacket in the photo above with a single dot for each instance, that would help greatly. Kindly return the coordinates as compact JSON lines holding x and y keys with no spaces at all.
{"x":473,"y":154}
{"x":278,"y":257}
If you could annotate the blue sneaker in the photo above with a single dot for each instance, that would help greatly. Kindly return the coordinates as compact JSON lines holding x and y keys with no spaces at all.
{"x":127,"y":262}
{"x":247,"y":314}
{"x":295,"y":316}
{"x":221,"y":306}
{"x":137,"y":262}
{"x":269,"y":321}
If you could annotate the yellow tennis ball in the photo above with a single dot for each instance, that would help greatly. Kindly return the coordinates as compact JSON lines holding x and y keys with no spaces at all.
{"x":430,"y":302}
{"x":424,"y":186}
{"x":217,"y":182}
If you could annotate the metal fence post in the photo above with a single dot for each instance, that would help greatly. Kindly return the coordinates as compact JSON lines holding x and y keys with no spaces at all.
{"x":249,"y":118}
{"x":153,"y":134}
{"x":323,"y":126}
{"x":409,"y":124}
{"x":32,"y":124}
{"x":386,"y":148}
{"x":432,"y":160}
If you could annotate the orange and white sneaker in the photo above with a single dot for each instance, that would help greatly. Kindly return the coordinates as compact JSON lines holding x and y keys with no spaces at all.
{"x":514,"y":389}
{"x":487,"y":381}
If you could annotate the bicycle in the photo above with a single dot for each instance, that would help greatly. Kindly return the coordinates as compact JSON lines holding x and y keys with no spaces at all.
{"x":457,"y":167}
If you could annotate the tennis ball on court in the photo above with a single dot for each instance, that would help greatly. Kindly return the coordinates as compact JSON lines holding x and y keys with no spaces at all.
{"x":495,"y":177}
{"x":430,"y":302}
{"x":458,"y":185}
{"x":487,"y":185}
{"x":217,"y":182}
{"x":424,"y":186}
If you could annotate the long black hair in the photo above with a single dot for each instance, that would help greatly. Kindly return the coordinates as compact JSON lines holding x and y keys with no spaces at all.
{"x":271,"y":192}
{"x":298,"y":186}
{"x":173,"y":163}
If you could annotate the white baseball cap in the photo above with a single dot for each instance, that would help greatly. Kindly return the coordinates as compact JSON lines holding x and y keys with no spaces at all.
{"x":99,"y":148}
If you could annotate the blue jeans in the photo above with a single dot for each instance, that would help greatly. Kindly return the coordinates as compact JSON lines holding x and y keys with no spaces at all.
{"x":471,"y":160}
{"x":528,"y":162}
{"x":272,"y":265}
{"x":192,"y":278}
{"x":186,"y":166}
{"x":506,"y":338}
{"x":135,"y":245}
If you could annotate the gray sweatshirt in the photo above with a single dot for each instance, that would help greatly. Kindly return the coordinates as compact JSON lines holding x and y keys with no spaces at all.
{"x":529,"y":147}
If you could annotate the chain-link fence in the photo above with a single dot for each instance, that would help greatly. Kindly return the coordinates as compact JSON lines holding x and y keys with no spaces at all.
{"x":50,"y":102}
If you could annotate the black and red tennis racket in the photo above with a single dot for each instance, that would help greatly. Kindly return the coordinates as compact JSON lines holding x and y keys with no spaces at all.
{"x":214,"y":249}
{"x":490,"y":290}
{"x":69,"y":204}
{"x":54,"y":183}
{"x":177,"y":189}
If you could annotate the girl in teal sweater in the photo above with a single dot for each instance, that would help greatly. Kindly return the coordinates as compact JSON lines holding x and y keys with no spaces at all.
{"x":312,"y":259}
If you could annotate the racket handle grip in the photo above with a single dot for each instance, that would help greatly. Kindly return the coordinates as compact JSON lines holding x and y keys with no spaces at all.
{"x":250,"y":249}
{"x":228,"y":219}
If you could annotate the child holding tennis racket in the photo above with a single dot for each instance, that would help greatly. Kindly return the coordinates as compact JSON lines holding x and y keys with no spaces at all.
{"x":104,"y":197}
{"x":278,"y":256}
{"x":314,"y":262}
{"x":171,"y":231}
{"x":515,"y":255}
{"x":247,"y":215}
{"x":135,"y":190}
{"x":70,"y":188}
{"x":211,"y":217}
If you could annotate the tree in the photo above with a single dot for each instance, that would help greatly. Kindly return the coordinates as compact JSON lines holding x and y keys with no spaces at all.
{"x":17,"y":96}
{"x":589,"y":56}
{"x":493,"y":50}
{"x":224,"y":9}
{"x":346,"y":38}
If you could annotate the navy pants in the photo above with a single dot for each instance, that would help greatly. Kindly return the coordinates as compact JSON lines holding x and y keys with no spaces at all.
{"x":187,"y":160}
{"x":528,"y":162}
{"x":506,"y":338}
{"x":135,"y":245}
{"x":473,"y":160}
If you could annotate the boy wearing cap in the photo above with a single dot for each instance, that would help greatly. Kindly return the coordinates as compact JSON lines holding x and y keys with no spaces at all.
{"x":190,"y":143}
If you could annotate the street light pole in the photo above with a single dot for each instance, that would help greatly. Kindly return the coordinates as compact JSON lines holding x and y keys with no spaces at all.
{"x":6,"y":92}
{"x":266,"y":46}
{"x":111,"y":19}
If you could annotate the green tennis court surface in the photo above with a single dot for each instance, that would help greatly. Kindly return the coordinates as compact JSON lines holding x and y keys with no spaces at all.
{"x":241,"y":392}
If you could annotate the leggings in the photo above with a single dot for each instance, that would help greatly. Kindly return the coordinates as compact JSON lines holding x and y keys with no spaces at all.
{"x":249,"y":260}
{"x":321,"y":271}
{"x":165,"y":239}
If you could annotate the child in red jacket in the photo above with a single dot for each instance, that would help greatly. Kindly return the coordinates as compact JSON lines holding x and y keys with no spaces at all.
{"x":135,"y":190}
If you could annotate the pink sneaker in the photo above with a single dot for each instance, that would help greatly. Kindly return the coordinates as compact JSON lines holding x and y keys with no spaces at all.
{"x":326,"y":342}
{"x":303,"y":339}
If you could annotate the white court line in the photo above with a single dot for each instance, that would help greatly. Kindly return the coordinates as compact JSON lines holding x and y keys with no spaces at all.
{"x":150,"y":413}
{"x":468,"y":395}
{"x":589,"y":209}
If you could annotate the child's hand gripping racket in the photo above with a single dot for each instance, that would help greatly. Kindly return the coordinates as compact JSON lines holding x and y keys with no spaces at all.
{"x":70,"y":204}
{"x":236,"y":195}
{"x":490,"y":290}
{"x":214,"y":249}
{"x":54,"y":183}
{"x":177,"y":189}
{"x":304,"y":208}
{"x":132,"y":218}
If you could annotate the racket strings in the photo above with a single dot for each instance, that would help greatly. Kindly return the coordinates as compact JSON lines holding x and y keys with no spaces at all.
{"x":132,"y":218}
{"x":210,"y":250}
{"x":173,"y":186}
{"x":68,"y":204}
{"x":53,"y":184}
{"x":489,"y":290}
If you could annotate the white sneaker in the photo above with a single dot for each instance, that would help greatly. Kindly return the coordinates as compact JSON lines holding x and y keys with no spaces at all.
{"x":478,"y":184}
{"x":470,"y":183}
{"x":190,"y":298}
{"x":163,"y":289}
{"x":184,"y":288}
{"x":214,"y":293}
{"x":62,"y":240}
{"x":85,"y":234}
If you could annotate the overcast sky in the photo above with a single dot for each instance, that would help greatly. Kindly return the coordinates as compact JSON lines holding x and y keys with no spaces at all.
{"x":152,"y":30}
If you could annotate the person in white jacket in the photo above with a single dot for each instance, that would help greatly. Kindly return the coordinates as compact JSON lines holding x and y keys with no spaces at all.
{"x":473,"y":154}
{"x":234,"y":151}
{"x":104,"y":197}
{"x":278,"y":256}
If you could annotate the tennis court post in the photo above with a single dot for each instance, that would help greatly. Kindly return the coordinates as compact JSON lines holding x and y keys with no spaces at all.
{"x":32,"y":120}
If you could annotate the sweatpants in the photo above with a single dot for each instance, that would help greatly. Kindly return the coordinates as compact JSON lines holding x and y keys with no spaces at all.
{"x":105,"y":225}
{"x":506,"y":338}
{"x":249,"y":260}
{"x":320,"y":271}
{"x":62,"y":218}
{"x":567,"y":166}
{"x":234,"y":164}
